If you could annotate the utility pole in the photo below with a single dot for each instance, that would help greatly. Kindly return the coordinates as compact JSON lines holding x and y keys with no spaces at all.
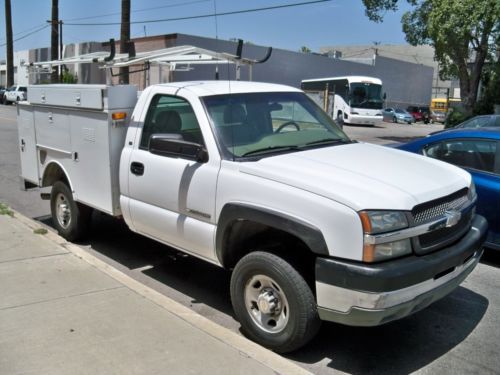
{"x":125,"y":38}
{"x":54,"y":50}
{"x":61,"y":67}
{"x":10,"y":43}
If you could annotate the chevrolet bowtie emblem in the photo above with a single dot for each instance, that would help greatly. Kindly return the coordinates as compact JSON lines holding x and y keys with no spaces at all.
{"x":452,"y":217}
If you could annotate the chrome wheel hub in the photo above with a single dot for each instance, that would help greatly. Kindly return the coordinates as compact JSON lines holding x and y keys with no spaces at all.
{"x":266,"y":304}
{"x":63,"y":211}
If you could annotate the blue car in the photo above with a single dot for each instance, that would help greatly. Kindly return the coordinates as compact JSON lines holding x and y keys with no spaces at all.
{"x":478,"y":152}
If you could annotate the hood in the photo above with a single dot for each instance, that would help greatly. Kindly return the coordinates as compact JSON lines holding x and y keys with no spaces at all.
{"x":363,"y":176}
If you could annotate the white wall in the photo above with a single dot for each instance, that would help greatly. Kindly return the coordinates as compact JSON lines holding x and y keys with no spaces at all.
{"x":20,"y":72}
{"x":22,"y":77}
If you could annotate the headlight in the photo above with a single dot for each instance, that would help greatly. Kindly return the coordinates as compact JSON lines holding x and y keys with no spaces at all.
{"x":382,"y":221}
{"x":375,"y":222}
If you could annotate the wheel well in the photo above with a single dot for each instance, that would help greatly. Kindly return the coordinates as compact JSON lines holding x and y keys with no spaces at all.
{"x":245,"y":236}
{"x":52,"y":174}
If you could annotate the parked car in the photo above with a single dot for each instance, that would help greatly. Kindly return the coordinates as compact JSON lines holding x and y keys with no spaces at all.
{"x":438,"y":116}
{"x":478,"y":152}
{"x":15,"y":94}
{"x":397,"y":115}
{"x":415,"y":112}
{"x":419,"y":113}
{"x":484,"y":121}
{"x":480,"y":122}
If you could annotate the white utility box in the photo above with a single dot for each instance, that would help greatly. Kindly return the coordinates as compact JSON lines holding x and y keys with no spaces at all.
{"x":72,"y":125}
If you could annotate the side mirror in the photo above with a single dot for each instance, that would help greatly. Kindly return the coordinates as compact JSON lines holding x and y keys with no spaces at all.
{"x":174,"y":145}
{"x":385,"y":96}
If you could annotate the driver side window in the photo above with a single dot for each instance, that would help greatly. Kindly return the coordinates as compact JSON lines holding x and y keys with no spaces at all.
{"x":170,"y":115}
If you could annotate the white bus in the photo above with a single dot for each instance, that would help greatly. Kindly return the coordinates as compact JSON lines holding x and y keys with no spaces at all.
{"x":356,"y":99}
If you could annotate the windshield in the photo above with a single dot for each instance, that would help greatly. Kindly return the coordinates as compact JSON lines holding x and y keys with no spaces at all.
{"x":400,"y":111}
{"x":267,"y":123}
{"x":475,"y":122}
{"x":366,"y":95}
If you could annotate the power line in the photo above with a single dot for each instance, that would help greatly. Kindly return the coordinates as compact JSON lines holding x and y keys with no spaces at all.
{"x":202,"y":15}
{"x":27,"y":35}
{"x":2,"y":38}
{"x":140,"y":10}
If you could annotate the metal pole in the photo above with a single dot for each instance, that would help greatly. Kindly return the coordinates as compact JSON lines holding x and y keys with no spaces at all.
{"x":238,"y":71}
{"x":325,"y":99}
{"x":61,"y":67}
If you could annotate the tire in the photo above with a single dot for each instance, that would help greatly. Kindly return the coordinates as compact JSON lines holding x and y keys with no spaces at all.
{"x":258,"y":280}
{"x":395,"y":120}
{"x":340,"y":119}
{"x":70,"y":218}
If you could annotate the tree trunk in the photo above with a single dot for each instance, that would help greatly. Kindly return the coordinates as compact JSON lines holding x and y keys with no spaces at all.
{"x":125,"y":38}
{"x":470,"y":77}
{"x":54,"y":39}
{"x":10,"y":47}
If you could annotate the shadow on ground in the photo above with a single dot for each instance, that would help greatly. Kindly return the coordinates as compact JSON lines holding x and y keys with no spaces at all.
{"x":202,"y":282}
{"x":398,"y":348}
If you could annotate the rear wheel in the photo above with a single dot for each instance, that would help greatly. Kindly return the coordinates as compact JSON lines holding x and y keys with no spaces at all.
{"x":273,"y":302}
{"x":71,"y":219}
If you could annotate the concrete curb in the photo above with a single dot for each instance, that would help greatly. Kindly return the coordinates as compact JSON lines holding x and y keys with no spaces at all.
{"x":266,"y":357}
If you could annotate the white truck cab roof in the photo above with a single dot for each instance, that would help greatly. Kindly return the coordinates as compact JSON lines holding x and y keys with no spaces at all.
{"x":205,"y":88}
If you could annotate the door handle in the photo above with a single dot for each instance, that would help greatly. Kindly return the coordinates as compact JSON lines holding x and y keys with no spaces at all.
{"x":137,"y":168}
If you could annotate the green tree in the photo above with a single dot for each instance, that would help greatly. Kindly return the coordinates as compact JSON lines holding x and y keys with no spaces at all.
{"x":305,"y":49}
{"x":464,"y":34}
{"x":490,"y":95}
{"x":68,"y":77}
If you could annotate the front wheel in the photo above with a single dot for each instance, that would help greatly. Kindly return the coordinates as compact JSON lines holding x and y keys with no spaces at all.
{"x":395,"y":120}
{"x":340,"y":119}
{"x":70,"y":218}
{"x":273,"y":302}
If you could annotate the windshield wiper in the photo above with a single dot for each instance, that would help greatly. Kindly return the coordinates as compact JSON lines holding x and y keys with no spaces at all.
{"x":329,"y":141}
{"x":270,"y":149}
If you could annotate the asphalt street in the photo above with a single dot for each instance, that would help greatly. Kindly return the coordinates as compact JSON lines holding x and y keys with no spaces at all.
{"x":459,"y":334}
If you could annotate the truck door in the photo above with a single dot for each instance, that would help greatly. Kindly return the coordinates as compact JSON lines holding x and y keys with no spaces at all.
{"x":172,"y":199}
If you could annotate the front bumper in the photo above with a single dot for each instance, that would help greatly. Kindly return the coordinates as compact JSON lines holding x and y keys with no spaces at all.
{"x":362,"y":119}
{"x":359,"y":294}
{"x":406,"y":119}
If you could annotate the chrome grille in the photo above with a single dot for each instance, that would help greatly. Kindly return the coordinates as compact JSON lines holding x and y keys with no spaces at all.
{"x":435,"y":210}
{"x":438,"y":211}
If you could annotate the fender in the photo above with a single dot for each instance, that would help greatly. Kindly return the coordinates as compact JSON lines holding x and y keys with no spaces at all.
{"x":233,"y":212}
{"x":55,"y":164}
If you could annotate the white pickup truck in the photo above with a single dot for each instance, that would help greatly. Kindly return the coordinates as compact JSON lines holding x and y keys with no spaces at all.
{"x":256,"y":178}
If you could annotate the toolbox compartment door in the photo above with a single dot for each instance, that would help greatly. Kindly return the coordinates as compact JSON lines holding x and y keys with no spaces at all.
{"x":27,"y":143}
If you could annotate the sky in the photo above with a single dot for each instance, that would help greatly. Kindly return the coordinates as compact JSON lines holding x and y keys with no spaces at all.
{"x":336,"y":22}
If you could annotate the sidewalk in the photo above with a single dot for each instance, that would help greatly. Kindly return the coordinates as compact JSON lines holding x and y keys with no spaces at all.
{"x":63,"y":311}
